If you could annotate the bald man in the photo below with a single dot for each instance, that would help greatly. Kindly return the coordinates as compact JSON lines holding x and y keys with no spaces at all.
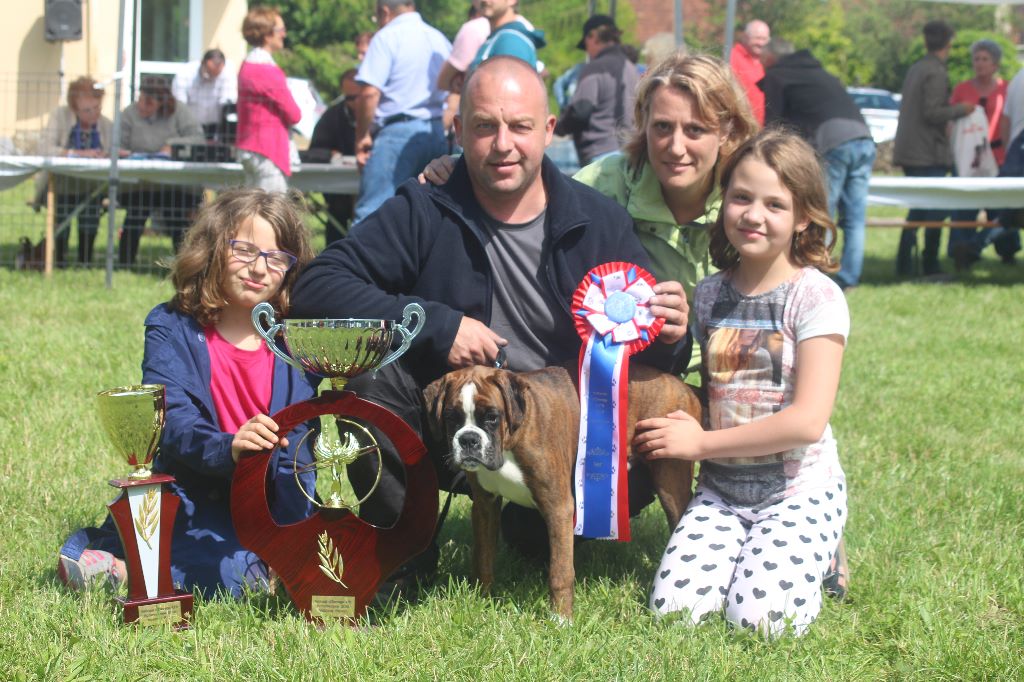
{"x":745,"y":61}
{"x":493,"y":256}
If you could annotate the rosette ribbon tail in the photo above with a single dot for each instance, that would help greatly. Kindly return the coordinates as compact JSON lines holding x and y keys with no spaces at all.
{"x":602,"y":490}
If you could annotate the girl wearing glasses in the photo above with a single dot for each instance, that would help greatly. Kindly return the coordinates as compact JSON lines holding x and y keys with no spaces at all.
{"x":246,"y":247}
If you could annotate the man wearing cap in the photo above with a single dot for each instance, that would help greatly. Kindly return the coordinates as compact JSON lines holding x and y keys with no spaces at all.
{"x":603,"y":102}
{"x":398,"y":99}
{"x":745,"y":61}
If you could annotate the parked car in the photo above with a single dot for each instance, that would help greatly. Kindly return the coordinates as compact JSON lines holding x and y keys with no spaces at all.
{"x":881,"y":111}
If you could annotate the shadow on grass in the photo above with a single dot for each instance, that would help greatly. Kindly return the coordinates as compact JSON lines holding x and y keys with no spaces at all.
{"x":989,"y":271}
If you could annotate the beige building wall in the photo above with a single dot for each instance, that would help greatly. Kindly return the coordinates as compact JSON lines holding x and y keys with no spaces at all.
{"x":222,"y":27}
{"x":30,"y":66}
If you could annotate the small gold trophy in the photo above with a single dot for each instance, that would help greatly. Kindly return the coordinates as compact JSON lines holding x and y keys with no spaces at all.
{"x":133,"y":418}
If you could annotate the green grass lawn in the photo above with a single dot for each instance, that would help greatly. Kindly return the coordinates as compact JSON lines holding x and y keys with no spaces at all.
{"x":929,"y":430}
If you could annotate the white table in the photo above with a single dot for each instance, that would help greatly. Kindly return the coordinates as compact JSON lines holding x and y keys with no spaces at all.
{"x":944,"y":193}
{"x":318,"y":177}
{"x":342,"y":178}
{"x":947,"y":193}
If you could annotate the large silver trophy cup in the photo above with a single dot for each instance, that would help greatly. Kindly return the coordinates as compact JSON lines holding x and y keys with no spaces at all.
{"x":339,"y":349}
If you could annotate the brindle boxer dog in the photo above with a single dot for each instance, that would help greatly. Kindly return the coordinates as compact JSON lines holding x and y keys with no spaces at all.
{"x":516,"y":434}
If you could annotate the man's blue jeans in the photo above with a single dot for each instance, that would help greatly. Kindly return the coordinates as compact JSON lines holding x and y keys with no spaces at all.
{"x":400,"y":151}
{"x":849,"y":171}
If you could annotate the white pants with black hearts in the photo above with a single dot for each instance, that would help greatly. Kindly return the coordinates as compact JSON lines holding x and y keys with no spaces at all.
{"x":762,"y":566}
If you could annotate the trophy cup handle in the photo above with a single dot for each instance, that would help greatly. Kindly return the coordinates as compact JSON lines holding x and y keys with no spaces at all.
{"x":262,"y":314}
{"x":403,"y":329}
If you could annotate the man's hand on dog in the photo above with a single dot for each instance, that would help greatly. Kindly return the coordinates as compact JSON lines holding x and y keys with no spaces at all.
{"x":475,"y":344}
{"x":670,"y":303}
{"x":676,"y":435}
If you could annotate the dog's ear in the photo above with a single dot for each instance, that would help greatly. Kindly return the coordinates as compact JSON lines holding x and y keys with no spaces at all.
{"x":513,"y":394}
{"x":433,"y":398}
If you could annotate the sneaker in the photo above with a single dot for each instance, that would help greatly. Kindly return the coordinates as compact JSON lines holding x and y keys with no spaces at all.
{"x":92,"y":565}
{"x":836,"y":582}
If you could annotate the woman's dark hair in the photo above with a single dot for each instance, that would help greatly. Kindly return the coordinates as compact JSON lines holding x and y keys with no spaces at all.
{"x":937,"y":35}
{"x":158,"y":89}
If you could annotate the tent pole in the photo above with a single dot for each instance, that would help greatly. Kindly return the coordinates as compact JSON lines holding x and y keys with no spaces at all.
{"x":730,"y":29}
{"x":679,"y":24}
{"x":113,"y":179}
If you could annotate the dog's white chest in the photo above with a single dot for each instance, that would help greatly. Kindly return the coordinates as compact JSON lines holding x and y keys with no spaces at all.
{"x":507,"y":482}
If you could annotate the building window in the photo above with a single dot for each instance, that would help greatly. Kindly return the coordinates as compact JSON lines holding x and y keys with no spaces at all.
{"x":164,"y":30}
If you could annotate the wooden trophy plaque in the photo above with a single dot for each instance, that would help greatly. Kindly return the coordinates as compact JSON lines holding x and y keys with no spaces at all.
{"x":144,"y":515}
{"x":333,"y":562}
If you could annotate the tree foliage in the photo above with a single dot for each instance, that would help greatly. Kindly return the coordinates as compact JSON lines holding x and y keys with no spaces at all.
{"x":862,"y":42}
{"x":866,"y":42}
{"x":321,"y":39}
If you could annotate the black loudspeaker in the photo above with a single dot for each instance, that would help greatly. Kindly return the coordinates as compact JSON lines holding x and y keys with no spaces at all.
{"x":63,"y":20}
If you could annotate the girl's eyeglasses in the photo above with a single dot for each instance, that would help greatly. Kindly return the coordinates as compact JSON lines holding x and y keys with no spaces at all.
{"x":247,"y":252}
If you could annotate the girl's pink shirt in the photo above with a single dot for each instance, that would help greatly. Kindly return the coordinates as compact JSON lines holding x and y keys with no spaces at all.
{"x":241,"y":381}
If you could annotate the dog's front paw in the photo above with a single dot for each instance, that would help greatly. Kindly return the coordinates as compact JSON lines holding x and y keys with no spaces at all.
{"x":561,"y":620}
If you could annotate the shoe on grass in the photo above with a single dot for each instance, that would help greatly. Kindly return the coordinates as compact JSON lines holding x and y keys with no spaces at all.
{"x":964,"y":256}
{"x":93,"y":565}
{"x":836,"y":581}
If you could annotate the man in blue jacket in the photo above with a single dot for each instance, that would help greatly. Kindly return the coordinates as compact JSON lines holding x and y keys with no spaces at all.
{"x":493,"y":256}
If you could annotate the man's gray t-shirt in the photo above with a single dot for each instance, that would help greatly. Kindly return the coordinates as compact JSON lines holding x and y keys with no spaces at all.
{"x":522,"y":309}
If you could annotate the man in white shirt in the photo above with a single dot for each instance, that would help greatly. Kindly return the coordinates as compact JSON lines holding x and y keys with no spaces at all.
{"x":1013,"y":110}
{"x":398,"y":113}
{"x":206,"y":86}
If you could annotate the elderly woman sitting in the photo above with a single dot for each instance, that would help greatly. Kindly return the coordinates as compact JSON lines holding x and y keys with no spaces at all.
{"x":77,"y":129}
{"x":148,"y":127}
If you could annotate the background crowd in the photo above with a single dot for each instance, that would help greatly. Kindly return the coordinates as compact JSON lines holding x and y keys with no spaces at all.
{"x":395,"y":109}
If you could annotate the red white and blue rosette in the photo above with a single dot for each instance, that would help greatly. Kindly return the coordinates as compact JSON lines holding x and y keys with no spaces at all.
{"x":613,"y":318}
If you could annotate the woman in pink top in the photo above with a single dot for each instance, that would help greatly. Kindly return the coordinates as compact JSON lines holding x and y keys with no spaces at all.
{"x":266,"y":108}
{"x":988,"y":91}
